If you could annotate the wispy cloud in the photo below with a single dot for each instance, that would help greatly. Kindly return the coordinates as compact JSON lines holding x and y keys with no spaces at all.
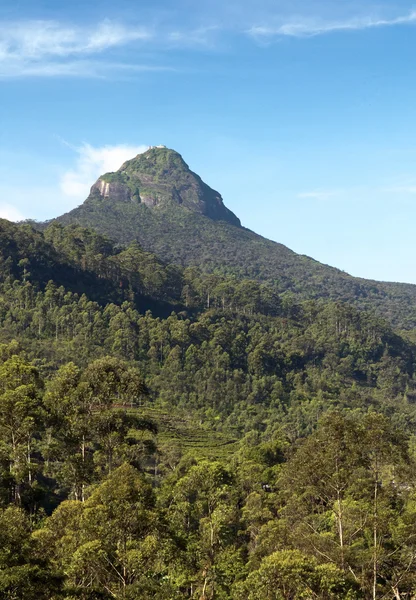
{"x":201,"y":36}
{"x":39,"y":39}
{"x":309,"y":27}
{"x":77,"y":68}
{"x":91,"y":163}
{"x":50,"y":48}
{"x":47,"y":48}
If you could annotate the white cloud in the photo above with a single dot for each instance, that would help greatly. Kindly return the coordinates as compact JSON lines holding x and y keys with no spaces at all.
{"x":47,"y":48}
{"x":313,"y":27}
{"x":27,"y":199}
{"x":10,"y":212}
{"x":35,"y":40}
{"x":93,"y":162}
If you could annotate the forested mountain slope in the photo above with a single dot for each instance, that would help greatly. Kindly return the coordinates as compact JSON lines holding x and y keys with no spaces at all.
{"x":229,"y":348}
{"x":156,"y":200}
{"x":232,"y":444}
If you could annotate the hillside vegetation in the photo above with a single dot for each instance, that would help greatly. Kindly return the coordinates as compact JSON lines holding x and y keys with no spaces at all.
{"x":169,"y":433}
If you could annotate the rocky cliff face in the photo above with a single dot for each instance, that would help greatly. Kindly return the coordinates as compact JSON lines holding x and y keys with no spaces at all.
{"x":119,"y":191}
{"x":160,"y":177}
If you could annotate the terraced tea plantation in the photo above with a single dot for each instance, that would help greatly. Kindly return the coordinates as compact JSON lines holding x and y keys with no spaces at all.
{"x":183,"y":434}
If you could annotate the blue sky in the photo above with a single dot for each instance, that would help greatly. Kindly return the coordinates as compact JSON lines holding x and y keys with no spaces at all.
{"x":301,"y":113}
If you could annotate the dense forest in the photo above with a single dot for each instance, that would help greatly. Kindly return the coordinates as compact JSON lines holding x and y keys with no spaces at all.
{"x":168,"y":432}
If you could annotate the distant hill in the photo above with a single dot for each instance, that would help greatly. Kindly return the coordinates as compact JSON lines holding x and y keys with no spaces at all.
{"x":157,"y":200}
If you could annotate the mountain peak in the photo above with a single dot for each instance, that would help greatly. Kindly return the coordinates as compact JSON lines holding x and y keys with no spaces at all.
{"x":161,"y":178}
